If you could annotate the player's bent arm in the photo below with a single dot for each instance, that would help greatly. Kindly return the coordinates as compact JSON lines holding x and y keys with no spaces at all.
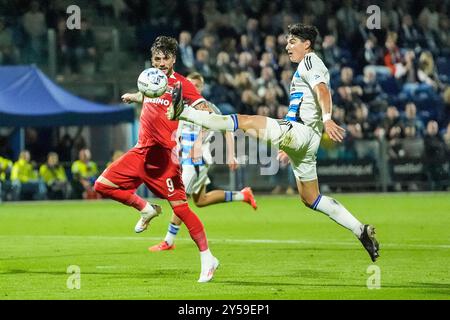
{"x":324,"y":98}
{"x":231,"y":159}
{"x":335,"y":132}
{"x":196,"y":152}
{"x":137,"y":97}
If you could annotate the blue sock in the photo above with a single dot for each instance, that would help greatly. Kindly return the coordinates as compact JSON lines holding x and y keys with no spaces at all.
{"x":228,"y":196}
{"x":171,"y":233}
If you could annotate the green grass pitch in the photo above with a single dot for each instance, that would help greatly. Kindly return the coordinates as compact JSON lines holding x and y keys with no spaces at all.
{"x":282,"y":251}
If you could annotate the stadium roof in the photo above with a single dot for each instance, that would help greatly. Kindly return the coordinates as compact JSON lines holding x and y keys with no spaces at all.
{"x":29,"y":98}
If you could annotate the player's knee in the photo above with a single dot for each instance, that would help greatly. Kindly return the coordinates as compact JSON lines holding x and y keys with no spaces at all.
{"x":200,"y":201}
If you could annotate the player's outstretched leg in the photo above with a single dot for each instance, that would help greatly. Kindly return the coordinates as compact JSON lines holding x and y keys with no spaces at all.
{"x":177,"y":111}
{"x":204,"y":199}
{"x":338,"y":213}
{"x":129,"y":198}
{"x":196,"y":230}
{"x":309,"y":191}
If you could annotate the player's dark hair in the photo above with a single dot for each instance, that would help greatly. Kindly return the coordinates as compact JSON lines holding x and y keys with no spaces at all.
{"x":304,"y":32}
{"x":166,"y":45}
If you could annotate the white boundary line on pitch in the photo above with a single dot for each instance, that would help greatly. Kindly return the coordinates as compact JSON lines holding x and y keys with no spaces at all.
{"x":249,"y":241}
{"x":337,"y":194}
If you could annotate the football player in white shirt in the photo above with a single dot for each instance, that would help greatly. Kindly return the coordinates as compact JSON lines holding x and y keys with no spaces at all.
{"x":195,"y":161}
{"x":299,"y":134}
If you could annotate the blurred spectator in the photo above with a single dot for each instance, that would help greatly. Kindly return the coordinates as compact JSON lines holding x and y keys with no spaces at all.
{"x":435,"y":157}
{"x":224,"y":66}
{"x":372,"y":54}
{"x":391,"y":125}
{"x":446,"y":136}
{"x":202,"y":64}
{"x":412,"y":143}
{"x":192,"y":18}
{"x":393,"y":58}
{"x":285,"y":82}
{"x":54,"y":177}
{"x":81,"y":48}
{"x":254,"y":35}
{"x":430,"y":15}
{"x":412,"y":120}
{"x":443,"y":35}
{"x":5,"y":182}
{"x":35,"y":27}
{"x":392,"y":15}
{"x":426,"y":72}
{"x":409,"y":34}
{"x":363,"y":126}
{"x":267,"y":81}
{"x":348,"y":19}
{"x":429,"y":35}
{"x":237,"y":18}
{"x":223,"y":93}
{"x":371,"y":88}
{"x":348,"y":92}
{"x":116,"y":155}
{"x":249,"y":102}
{"x":64,"y":148}
{"x":186,"y":52}
{"x":84,"y":173}
{"x":331,"y":54}
{"x":445,"y":117}
{"x":9,"y":54}
{"x":26,"y":184}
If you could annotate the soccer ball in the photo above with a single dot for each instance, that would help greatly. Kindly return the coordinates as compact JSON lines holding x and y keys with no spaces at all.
{"x":152,"y":82}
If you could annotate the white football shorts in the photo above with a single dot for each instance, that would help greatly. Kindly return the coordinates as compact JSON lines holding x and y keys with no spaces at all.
{"x":300,"y":142}
{"x":194,"y":178}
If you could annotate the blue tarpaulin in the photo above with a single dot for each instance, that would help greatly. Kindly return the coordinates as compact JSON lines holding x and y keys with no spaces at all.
{"x":29,"y":99}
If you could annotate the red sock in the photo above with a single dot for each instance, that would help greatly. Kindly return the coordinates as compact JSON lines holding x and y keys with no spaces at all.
{"x":193,"y":224}
{"x":127,"y":197}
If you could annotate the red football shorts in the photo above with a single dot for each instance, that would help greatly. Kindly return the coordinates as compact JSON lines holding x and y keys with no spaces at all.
{"x":155,"y":166}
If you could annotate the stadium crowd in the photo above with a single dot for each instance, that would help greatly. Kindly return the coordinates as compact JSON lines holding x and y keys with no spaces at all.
{"x":24,"y":179}
{"x":391,"y":83}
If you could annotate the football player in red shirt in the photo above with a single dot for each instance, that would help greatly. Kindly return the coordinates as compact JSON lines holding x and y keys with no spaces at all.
{"x":154,"y":160}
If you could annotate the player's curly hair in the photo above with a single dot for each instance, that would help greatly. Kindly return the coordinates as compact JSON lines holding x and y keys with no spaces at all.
{"x":166,"y":45}
{"x":304,"y":32}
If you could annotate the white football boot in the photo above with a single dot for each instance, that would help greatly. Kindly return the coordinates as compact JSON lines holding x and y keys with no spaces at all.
{"x":145,"y":219}
{"x":208,"y":269}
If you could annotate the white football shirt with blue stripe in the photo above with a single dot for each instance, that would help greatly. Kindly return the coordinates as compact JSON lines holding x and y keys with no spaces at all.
{"x":189,"y":134}
{"x":303,"y":104}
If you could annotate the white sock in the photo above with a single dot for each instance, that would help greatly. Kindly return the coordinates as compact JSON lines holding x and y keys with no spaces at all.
{"x":171,"y":234}
{"x":234,"y":196}
{"x":148,"y":210}
{"x":205,"y":256}
{"x":209,"y":120}
{"x":338,"y":213}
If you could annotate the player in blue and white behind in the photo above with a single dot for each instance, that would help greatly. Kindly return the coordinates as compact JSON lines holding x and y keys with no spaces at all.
{"x":298,"y":135}
{"x":196,"y":159}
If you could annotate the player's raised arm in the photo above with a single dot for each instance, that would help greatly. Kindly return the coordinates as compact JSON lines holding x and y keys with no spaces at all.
{"x":335,"y":132}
